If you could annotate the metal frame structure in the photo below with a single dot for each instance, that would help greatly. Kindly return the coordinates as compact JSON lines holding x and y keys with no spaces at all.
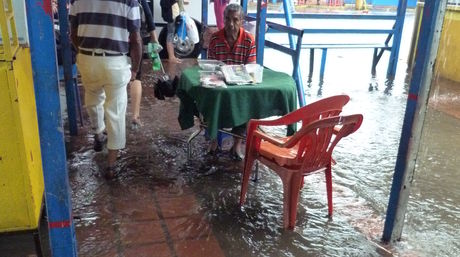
{"x":57,"y":187}
{"x":71,"y":90}
{"x":417,"y":100}
{"x":394,"y":33}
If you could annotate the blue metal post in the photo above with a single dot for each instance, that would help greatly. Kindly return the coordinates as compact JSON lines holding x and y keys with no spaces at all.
{"x":323,"y":64}
{"x":244,"y":4}
{"x":260,"y":29}
{"x":288,"y":17}
{"x":413,"y":119}
{"x":57,"y":189}
{"x":400,"y":15}
{"x":296,"y":75}
{"x":70,"y":90}
{"x":204,"y":22}
{"x":287,"y":6}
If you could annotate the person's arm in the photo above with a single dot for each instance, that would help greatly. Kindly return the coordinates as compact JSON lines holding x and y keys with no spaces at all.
{"x":135,"y":40}
{"x":149,"y":21}
{"x":148,"y":16}
{"x":252,"y":53}
{"x":135,"y":51}
{"x":212,"y":50}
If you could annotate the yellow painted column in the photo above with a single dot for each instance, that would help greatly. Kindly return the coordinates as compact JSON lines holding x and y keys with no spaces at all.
{"x":448,"y":59}
{"x":21,"y":176}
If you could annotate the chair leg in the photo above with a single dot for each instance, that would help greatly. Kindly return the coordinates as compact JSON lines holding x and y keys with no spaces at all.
{"x":329,"y":188}
{"x":296,"y":184}
{"x":248,"y":163}
{"x":286,"y":178}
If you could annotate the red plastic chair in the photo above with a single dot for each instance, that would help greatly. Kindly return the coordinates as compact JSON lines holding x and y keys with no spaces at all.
{"x":292,"y":158}
{"x":326,"y":107}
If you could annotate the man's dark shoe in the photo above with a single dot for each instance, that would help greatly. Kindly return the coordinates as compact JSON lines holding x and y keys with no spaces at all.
{"x":99,"y":142}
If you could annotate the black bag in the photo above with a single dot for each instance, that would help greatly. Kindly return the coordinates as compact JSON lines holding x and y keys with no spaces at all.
{"x":165,"y":87}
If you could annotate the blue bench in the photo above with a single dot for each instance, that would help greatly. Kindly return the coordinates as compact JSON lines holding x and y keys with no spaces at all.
{"x":325,"y":47}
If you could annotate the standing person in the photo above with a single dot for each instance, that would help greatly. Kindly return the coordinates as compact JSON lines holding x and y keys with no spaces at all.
{"x":233,"y":45}
{"x":135,"y":87}
{"x":170,"y":9}
{"x":219,"y":7}
{"x":104,"y":32}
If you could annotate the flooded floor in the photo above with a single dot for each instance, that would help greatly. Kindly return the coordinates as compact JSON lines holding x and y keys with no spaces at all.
{"x":164,"y":205}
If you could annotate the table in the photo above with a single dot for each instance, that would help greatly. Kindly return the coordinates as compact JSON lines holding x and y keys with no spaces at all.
{"x":237,"y":104}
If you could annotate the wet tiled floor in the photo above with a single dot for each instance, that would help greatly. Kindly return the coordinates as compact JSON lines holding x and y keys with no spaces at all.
{"x":149,"y":211}
{"x":145,"y":212}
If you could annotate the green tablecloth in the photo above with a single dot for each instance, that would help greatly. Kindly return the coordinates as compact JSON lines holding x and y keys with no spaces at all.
{"x":235,"y":105}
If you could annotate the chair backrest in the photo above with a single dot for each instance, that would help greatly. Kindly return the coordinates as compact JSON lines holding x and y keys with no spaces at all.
{"x":320,"y":137}
{"x":323,"y":108}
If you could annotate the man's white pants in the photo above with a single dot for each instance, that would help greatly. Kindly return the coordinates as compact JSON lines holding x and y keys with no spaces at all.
{"x":104,"y":79}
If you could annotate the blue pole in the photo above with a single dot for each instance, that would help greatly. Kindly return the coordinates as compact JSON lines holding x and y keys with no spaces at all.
{"x":287,"y":7}
{"x":413,"y":119}
{"x":244,"y":4}
{"x":204,"y":23}
{"x":288,"y":17}
{"x":57,"y":192}
{"x":70,"y":90}
{"x":260,"y":30}
{"x":400,"y":15}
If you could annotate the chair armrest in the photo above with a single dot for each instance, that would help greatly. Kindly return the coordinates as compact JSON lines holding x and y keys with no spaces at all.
{"x":275,"y":122}
{"x":268,"y":138}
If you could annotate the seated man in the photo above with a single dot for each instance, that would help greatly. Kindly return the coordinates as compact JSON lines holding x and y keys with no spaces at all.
{"x":233,"y":45}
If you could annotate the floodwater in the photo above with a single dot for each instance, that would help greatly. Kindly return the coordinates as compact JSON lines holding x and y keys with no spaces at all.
{"x":156,"y":158}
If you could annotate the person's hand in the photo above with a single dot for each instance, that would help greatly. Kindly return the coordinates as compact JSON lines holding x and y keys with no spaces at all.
{"x":54,"y":6}
{"x":133,"y":76}
{"x":153,"y":37}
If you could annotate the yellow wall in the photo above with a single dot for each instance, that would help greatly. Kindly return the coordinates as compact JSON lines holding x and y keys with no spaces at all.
{"x":21,"y":176}
{"x":448,"y":60}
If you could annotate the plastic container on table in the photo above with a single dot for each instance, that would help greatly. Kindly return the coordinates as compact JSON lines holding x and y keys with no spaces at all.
{"x":210,"y":65}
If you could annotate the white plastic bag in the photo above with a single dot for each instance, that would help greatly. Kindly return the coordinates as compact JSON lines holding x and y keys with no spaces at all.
{"x":192,"y":30}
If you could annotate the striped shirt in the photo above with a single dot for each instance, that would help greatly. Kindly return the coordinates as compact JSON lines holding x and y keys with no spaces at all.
{"x":105,"y":24}
{"x":243,"y":52}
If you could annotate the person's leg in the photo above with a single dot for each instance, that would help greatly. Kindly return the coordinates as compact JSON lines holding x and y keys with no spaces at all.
{"x":135,"y":92}
{"x":117,"y":77}
{"x":115,"y":110}
{"x":94,"y":100}
{"x":92,"y":80}
{"x":237,"y":148}
{"x":169,"y":43}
